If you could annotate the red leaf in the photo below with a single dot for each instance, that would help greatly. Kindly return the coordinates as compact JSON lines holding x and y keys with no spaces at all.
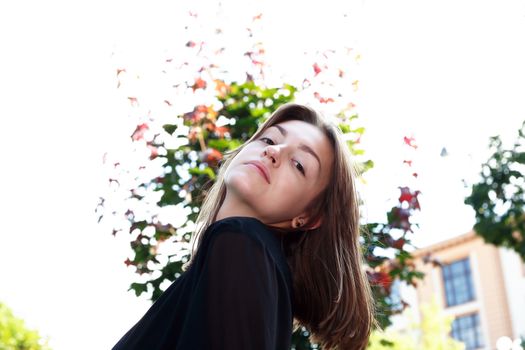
{"x":154,"y":152}
{"x":220,"y":131}
{"x":384,"y":279}
{"x":399,"y":243}
{"x":197,"y":115}
{"x":380,"y":279}
{"x":199,"y":84}
{"x":133,"y":101}
{"x":211,"y":156}
{"x":209,"y":126}
{"x":158,"y":179}
{"x":406,"y":195}
{"x":317,"y":69}
{"x":138,"y":134}
{"x":323,"y":99}
{"x":410,"y":141}
{"x":409,"y":197}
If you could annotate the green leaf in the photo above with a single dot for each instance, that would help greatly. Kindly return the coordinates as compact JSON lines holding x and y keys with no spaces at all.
{"x":139,"y":288}
{"x":169,"y":128}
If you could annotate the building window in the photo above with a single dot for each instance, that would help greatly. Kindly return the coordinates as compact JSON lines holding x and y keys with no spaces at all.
{"x":467,"y":329}
{"x":458,"y":282}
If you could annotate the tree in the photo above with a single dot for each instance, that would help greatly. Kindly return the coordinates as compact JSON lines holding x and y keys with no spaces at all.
{"x":432,"y":333}
{"x":185,"y":152}
{"x":498,"y":199}
{"x":14,"y":335}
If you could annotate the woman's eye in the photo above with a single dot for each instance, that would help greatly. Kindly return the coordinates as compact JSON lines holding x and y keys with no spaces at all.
{"x":266,"y":138}
{"x":300,"y":167}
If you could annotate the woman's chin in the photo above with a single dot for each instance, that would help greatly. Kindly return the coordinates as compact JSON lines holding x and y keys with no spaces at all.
{"x":246,"y":182}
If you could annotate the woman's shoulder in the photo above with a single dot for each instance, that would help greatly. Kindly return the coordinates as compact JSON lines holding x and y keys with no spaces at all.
{"x":248,"y":226}
{"x":253,"y":230}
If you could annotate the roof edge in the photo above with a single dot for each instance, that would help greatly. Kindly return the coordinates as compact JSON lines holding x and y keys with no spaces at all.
{"x":445,"y":244}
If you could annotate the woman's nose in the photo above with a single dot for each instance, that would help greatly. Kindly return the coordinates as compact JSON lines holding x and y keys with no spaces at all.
{"x":273,"y":153}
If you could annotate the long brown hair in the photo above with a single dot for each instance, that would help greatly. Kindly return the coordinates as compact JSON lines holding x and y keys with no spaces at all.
{"x":332,"y":296}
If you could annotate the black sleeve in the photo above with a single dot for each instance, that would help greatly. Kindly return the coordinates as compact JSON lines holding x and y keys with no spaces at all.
{"x":238,"y":289}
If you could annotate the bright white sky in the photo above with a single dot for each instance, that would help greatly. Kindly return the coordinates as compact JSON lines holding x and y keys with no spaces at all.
{"x":449,"y":73}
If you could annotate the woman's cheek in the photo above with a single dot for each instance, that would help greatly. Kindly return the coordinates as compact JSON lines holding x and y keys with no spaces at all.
{"x":292,"y":195}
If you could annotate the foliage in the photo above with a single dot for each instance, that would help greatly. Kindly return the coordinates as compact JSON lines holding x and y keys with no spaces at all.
{"x":384,"y":270}
{"x":14,"y":335}
{"x":499,"y":198}
{"x":432,"y":333}
{"x":188,"y":149}
{"x":206,"y":142}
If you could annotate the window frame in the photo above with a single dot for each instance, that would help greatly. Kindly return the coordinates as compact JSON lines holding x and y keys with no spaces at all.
{"x":478,"y":333}
{"x":448,"y":277}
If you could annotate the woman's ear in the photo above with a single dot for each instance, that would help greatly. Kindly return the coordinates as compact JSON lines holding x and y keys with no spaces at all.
{"x":300,"y":221}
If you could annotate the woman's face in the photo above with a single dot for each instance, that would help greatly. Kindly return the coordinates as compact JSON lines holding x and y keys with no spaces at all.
{"x":276,"y":175}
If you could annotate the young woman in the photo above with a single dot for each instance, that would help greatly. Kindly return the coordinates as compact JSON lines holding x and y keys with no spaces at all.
{"x":277,"y":248}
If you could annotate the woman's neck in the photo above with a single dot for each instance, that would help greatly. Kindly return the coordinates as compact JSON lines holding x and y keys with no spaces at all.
{"x":231,"y":207}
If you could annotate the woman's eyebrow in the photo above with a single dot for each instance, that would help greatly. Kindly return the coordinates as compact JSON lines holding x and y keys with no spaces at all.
{"x":302,"y":146}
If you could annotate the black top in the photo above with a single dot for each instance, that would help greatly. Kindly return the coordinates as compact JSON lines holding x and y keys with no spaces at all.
{"x":236,"y":295}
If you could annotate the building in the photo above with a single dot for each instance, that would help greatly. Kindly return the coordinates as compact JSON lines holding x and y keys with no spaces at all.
{"x":481,"y":285}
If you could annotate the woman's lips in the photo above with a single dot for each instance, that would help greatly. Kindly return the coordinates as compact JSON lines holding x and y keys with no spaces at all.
{"x":263,"y":174}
